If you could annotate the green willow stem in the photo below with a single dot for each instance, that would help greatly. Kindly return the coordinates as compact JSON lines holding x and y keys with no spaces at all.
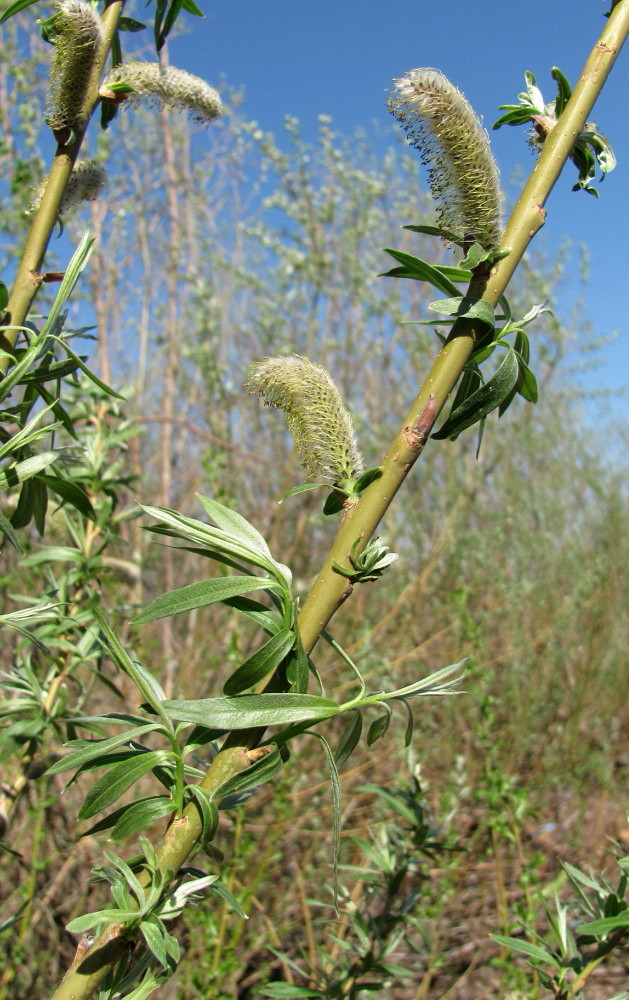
{"x":91,"y":966}
{"x":27,"y":280}
{"x":330,"y":589}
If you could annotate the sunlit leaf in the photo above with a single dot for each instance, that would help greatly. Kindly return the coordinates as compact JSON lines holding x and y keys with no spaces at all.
{"x":249,"y":710}
{"x":201,"y":595}
{"x":117,"y":779}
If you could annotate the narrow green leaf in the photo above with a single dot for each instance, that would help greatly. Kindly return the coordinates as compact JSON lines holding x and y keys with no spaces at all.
{"x":207,"y":811}
{"x":297,"y":668}
{"x":600,"y":928}
{"x":465,"y":306}
{"x":129,"y":24}
{"x":515,"y":116}
{"x":111,"y":785}
{"x":87,"y":371}
{"x":229,"y":898}
{"x":254,"y":776}
{"x":564,"y":90}
{"x":71,"y":492}
{"x":526,"y":948}
{"x":349,"y":738}
{"x":302,"y":488}
{"x":26,"y":469}
{"x":96,"y":749}
{"x":334,"y":502}
{"x":367,"y":478}
{"x":335,"y":785}
{"x":419,"y":270}
{"x":286,"y":991}
{"x":81,"y":924}
{"x":262,"y":662}
{"x":250,"y":710}
{"x":141,"y":814}
{"x":235,"y":524}
{"x":154,"y":937}
{"x":201,"y":595}
{"x":487,"y":398}
{"x":50,"y":372}
{"x":527,"y":383}
{"x":378,"y":728}
{"x":267,"y":618}
{"x":475,"y":255}
{"x":15,"y":8}
{"x":7,"y":529}
{"x":144,"y":681}
{"x":445,"y":234}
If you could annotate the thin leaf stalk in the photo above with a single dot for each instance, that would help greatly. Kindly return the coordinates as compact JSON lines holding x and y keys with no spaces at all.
{"x":330,"y":589}
{"x":27,"y":278}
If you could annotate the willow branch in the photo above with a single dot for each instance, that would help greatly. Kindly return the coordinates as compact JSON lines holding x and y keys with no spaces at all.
{"x":330,"y":589}
{"x":27,"y":280}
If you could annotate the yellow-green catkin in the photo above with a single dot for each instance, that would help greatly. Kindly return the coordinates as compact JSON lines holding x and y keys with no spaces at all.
{"x":79,"y":37}
{"x":87,"y":182}
{"x":453,"y":144}
{"x":320,"y":425}
{"x":166,"y":86}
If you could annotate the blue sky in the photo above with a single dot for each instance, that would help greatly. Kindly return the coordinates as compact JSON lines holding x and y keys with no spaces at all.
{"x":338,"y":57}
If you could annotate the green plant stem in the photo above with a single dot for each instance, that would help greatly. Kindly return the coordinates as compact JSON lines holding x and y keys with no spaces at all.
{"x":330,"y":589}
{"x":27,"y":280}
{"x":88,"y":971}
{"x":612,"y":942}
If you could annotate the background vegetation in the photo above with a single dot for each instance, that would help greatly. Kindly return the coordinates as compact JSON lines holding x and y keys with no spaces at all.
{"x":215,"y":249}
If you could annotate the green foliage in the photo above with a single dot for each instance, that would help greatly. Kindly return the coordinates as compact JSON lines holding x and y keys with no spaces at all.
{"x":476,"y":396}
{"x":590,"y":148}
{"x":360,"y":954}
{"x":581,"y":932}
{"x":286,"y":277}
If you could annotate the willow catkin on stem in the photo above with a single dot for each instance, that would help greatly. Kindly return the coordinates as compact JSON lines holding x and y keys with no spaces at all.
{"x":453,"y":144}
{"x":166,"y":86}
{"x":79,"y":37}
{"x":317,"y":419}
{"x":87,"y":182}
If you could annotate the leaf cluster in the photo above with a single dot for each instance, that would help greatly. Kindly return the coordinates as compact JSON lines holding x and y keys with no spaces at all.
{"x":37,"y":373}
{"x":581,"y":932}
{"x":477,"y":395}
{"x":590,"y":148}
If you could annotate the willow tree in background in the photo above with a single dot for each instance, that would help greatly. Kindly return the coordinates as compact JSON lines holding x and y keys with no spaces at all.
{"x":270,"y":687}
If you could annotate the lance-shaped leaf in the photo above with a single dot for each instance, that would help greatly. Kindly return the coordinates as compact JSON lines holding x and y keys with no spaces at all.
{"x":262,"y":662}
{"x":250,"y":710}
{"x":200,"y":595}
{"x":420,"y":270}
{"x":485,"y":399}
{"x":111,"y":785}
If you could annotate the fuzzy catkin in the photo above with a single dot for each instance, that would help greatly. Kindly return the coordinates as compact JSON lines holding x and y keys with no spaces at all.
{"x":167,"y":86}
{"x":320,"y":425}
{"x":87,"y":182}
{"x":78,"y":42}
{"x":453,"y":144}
